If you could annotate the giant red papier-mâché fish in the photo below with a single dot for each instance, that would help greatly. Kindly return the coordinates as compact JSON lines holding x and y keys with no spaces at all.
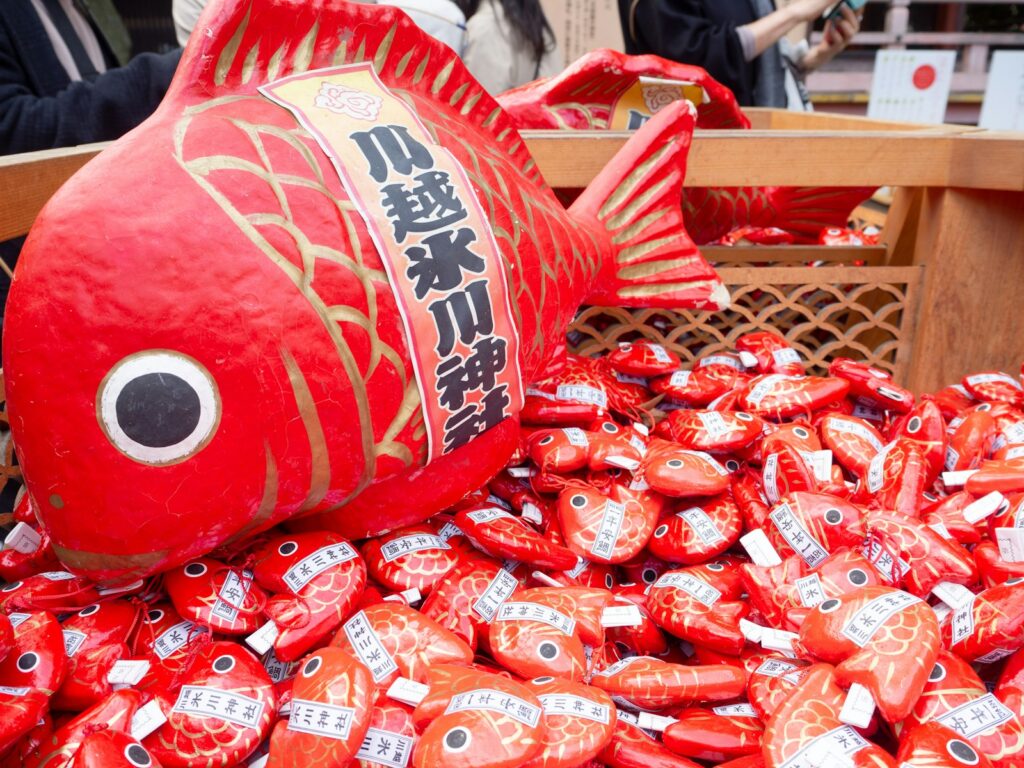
{"x":250,"y":309}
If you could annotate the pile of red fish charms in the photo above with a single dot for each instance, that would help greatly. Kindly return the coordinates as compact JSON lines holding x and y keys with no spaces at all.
{"x":733,"y":564}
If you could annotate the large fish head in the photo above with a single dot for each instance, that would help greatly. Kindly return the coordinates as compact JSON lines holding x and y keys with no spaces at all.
{"x":143,"y":360}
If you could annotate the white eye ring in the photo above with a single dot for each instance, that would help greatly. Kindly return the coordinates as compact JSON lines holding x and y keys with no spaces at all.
{"x":200,"y":385}
{"x":137,"y":755}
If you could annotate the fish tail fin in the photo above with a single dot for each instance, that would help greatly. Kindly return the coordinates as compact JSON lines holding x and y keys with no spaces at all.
{"x":637,"y":199}
{"x":805,"y":211}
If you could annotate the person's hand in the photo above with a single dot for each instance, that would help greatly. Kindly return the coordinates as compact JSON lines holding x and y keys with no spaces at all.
{"x":835,"y":38}
{"x":809,"y":10}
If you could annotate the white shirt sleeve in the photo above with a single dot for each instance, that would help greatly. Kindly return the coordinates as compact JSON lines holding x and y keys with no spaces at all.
{"x":185,"y":14}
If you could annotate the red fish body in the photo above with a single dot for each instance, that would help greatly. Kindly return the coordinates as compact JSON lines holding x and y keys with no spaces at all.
{"x":284,"y":381}
{"x":605,"y":90}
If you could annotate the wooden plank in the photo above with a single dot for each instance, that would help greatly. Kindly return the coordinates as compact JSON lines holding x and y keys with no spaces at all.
{"x":838,"y":158}
{"x":718,"y":158}
{"x":837,"y":275}
{"x":28,"y":180}
{"x":790,"y":120}
{"x":973,"y":244}
{"x":797,"y":254}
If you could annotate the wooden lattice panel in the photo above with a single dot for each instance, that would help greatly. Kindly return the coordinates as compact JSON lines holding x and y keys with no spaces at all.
{"x":866,"y":313}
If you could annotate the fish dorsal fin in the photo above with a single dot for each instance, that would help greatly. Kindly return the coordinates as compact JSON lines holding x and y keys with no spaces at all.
{"x":239,"y":45}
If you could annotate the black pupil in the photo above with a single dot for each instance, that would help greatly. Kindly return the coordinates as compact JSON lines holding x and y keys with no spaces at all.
{"x":963,"y":751}
{"x":548,"y":650}
{"x":287,"y":549}
{"x":858,"y":577}
{"x":915,"y":424}
{"x":578,"y":501}
{"x":155,"y":615}
{"x":27,"y":661}
{"x":138,"y":755}
{"x":649,"y":575}
{"x":223,"y":664}
{"x":937,"y":672}
{"x":828,"y":605}
{"x":158,"y":409}
{"x":455,"y":739}
{"x":833,"y":516}
{"x":312,"y":666}
{"x":196,"y":569}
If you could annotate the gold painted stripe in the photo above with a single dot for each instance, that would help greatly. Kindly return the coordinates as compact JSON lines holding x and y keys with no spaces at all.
{"x":403,"y":63}
{"x":651,"y":268}
{"x":629,"y":184}
{"x":442,"y":77}
{"x":320,"y":462}
{"x":227,"y":56}
{"x":249,"y":65}
{"x":95,"y":561}
{"x":274,"y":67}
{"x":381,"y":59}
{"x":268,"y":503}
{"x":637,"y":227}
{"x":645,"y":291}
{"x":420,"y":69}
{"x":459,"y":92}
{"x":636,"y":205}
{"x":304,"y":53}
{"x":627,"y":255}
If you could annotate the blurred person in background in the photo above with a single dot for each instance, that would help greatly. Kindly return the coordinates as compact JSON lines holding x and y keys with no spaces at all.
{"x":441,"y":19}
{"x":741,"y":43}
{"x":508,"y":43}
{"x":66,"y":77}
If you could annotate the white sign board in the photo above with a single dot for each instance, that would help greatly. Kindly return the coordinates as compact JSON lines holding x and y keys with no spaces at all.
{"x":1003,"y":108}
{"x":911,"y":86}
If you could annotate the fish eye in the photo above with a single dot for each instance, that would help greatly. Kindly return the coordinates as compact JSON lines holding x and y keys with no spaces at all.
{"x":312,"y":666}
{"x":547,"y":440}
{"x":715,"y":567}
{"x":801,"y":433}
{"x":674,"y":463}
{"x":857,"y":577}
{"x":609,"y":582}
{"x":660,"y":531}
{"x":158,"y":407}
{"x":829,"y":606}
{"x":962,"y":752}
{"x":609,"y":427}
{"x":11,"y":587}
{"x":548,"y":651}
{"x":732,"y":465}
{"x":542,"y":680}
{"x":579,"y":501}
{"x":457,"y":740}
{"x":137,"y":755}
{"x":938,"y":673}
{"x":914,"y":425}
{"x":89,"y":610}
{"x":1011,"y":582}
{"x":833,"y":516}
{"x":195,"y":570}
{"x":743,"y":416}
{"x":224,"y":663}
{"x":27,"y":661}
{"x":154,"y":616}
{"x":288,"y":548}
{"x":649,"y":575}
{"x":985,"y":407}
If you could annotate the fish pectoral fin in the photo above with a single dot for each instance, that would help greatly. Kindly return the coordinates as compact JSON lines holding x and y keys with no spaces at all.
{"x":637,"y":199}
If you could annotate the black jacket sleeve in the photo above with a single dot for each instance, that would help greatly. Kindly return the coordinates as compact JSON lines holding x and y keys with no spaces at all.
{"x":700,"y":32}
{"x":109,"y":106}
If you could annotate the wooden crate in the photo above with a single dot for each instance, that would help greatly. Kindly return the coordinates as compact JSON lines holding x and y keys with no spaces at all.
{"x":939,"y":299}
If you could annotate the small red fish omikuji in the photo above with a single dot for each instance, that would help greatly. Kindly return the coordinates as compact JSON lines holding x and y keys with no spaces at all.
{"x":315,"y":282}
